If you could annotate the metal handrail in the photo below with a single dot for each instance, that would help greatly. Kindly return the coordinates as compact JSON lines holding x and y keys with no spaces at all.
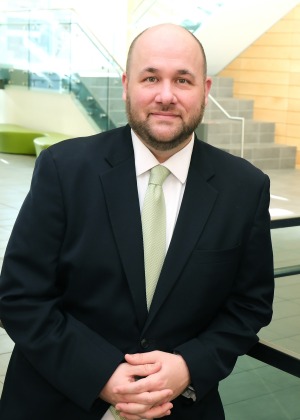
{"x":230,"y":117}
{"x":285,"y":223}
{"x":265,"y":351}
{"x":287,"y":271}
{"x":276,"y":356}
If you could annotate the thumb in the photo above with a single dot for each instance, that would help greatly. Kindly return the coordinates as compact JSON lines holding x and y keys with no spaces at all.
{"x":140,"y":358}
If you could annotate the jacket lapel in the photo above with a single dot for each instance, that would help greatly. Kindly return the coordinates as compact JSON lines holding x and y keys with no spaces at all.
{"x":120,"y":189}
{"x":197,"y":204}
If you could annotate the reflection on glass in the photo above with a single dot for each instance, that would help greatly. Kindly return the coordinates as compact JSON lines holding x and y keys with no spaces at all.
{"x":192,"y":16}
{"x":49,"y":50}
{"x":286,"y":246}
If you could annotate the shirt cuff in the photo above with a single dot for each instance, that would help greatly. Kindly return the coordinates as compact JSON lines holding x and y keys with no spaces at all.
{"x":189,"y":393}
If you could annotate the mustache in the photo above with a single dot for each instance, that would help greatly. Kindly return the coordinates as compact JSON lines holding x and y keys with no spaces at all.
{"x":166,"y":108}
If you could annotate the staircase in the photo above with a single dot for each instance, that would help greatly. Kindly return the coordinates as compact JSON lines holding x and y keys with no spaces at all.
{"x":106,"y":107}
{"x":104,"y":95}
{"x":259,"y":146}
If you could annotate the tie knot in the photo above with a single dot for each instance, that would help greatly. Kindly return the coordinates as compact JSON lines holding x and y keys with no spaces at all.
{"x":158,"y":174}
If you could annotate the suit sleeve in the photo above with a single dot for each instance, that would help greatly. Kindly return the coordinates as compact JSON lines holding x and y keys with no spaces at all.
{"x":68,"y":354}
{"x":212,"y":355}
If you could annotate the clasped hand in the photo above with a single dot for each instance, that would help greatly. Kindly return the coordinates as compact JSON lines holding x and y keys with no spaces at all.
{"x":161,"y":378}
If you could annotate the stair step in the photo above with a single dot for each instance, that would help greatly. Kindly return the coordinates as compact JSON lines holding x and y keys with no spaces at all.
{"x":265,"y":156}
{"x":102,"y":81}
{"x":222,"y":87}
{"x":112,"y":104}
{"x":118,"y":117}
{"x":106,"y":92}
{"x":230,"y":131}
{"x":234,"y":107}
{"x":103,"y":92}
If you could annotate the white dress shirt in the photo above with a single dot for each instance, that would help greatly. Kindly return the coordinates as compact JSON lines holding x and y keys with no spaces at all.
{"x":173,"y":187}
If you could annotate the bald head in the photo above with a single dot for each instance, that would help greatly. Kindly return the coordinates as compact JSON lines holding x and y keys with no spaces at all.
{"x":166,"y":34}
{"x":165,"y":88}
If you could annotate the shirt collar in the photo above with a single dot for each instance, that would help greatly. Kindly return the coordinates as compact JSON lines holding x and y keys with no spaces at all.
{"x":178,"y":164}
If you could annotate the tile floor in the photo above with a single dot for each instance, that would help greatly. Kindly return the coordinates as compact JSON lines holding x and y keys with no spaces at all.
{"x":254,"y":390}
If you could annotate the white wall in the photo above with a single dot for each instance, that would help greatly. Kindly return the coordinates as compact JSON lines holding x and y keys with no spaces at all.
{"x":44,"y":111}
{"x":236,"y":26}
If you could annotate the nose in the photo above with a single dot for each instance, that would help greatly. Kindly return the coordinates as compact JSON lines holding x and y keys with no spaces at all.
{"x":166,"y":94}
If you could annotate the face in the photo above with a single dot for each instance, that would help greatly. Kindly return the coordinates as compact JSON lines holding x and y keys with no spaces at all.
{"x":165,"y":88}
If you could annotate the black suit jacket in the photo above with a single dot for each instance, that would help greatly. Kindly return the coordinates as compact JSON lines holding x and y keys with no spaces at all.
{"x":73,"y":291}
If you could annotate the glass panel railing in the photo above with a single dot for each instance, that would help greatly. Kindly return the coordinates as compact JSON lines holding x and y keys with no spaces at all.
{"x":30,"y":46}
{"x":286,"y":246}
{"x":281,"y":339}
{"x":99,"y":78}
{"x":51,"y":50}
{"x":265,"y":383}
{"x":192,"y":16}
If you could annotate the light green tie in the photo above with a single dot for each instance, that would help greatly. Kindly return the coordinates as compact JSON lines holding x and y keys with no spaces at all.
{"x":154,"y":229}
{"x":154,"y":235}
{"x":116,"y":414}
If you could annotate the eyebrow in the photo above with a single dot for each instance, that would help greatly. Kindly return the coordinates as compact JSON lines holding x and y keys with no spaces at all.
{"x":149,"y":70}
{"x":186,"y":72}
{"x":180,"y":72}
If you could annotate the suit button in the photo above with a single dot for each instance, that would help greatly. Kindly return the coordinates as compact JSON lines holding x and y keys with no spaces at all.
{"x":144,"y":343}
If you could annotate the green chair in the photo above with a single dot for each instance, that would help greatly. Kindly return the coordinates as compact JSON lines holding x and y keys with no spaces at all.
{"x":43,"y":142}
{"x":17,"y":139}
{"x":24,"y":141}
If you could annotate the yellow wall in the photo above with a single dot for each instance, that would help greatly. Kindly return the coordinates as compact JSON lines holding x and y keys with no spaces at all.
{"x":269,"y":72}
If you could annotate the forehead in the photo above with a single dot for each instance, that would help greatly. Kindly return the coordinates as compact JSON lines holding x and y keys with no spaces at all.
{"x":174,"y":47}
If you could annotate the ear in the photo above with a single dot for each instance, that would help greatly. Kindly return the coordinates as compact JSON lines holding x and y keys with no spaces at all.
{"x":125,"y":85}
{"x":207,"y":87}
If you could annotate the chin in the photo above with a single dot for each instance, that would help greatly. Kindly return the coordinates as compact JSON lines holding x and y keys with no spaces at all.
{"x":164,"y":136}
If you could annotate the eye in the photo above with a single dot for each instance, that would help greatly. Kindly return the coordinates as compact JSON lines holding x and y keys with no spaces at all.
{"x":151,"y":79}
{"x":183,"y":81}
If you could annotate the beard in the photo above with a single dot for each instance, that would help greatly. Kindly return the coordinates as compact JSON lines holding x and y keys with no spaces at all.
{"x":144,"y":130}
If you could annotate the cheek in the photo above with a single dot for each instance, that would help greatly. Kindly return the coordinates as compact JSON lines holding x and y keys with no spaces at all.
{"x":194,"y":103}
{"x":142,"y":97}
{"x":139,"y":104}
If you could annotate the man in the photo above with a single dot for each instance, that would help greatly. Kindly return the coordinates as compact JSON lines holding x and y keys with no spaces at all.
{"x":73,"y":293}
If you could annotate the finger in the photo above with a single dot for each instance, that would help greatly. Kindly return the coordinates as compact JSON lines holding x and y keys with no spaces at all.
{"x":132,"y":408}
{"x":159,"y":411}
{"x":142,"y":385}
{"x":127,"y":416}
{"x":147,"y":398}
{"x":145,"y":369}
{"x":130,"y":411}
{"x":141,"y":358}
{"x":131,"y":417}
